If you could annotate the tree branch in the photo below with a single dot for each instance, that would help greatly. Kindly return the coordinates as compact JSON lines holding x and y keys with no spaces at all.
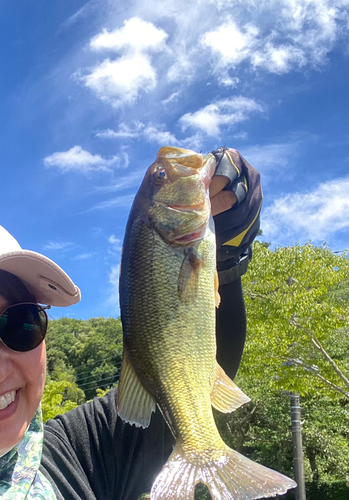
{"x":317,"y":374}
{"x":317,"y":344}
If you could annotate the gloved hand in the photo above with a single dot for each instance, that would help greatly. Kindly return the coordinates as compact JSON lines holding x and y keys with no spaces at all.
{"x":237,"y":227}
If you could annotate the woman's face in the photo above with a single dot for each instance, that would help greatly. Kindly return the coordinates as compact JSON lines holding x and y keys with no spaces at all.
{"x":22,"y":373}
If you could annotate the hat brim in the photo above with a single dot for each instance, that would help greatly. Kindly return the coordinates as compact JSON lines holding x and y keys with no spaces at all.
{"x":44,"y":278}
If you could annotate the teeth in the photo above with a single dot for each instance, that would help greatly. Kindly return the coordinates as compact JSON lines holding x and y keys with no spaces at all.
{"x":7,"y":399}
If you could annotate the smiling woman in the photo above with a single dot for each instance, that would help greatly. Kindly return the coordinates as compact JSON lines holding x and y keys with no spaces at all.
{"x":20,"y":400}
{"x":21,"y":393}
{"x":25,"y":278}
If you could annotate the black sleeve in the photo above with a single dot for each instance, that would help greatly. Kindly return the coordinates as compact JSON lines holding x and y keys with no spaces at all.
{"x":236,"y":229}
{"x":231,"y":327}
{"x":89,"y":453}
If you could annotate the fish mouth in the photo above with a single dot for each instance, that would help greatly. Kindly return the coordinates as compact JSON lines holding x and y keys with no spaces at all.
{"x":188,"y":208}
{"x":199,"y":232}
{"x":191,"y":237}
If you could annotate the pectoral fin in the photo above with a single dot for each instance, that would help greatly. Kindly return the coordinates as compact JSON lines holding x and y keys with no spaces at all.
{"x":226,"y":396}
{"x":188,"y":278}
{"x":135,"y":404}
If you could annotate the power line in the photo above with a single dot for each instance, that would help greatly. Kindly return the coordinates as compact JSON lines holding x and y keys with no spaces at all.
{"x":100,"y":386}
{"x":94,"y":375}
{"x":97,"y":363}
{"x":80,"y":375}
{"x":116,"y":365}
{"x":100,"y":380}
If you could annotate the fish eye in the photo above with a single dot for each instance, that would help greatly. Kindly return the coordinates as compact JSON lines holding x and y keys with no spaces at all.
{"x":159,"y":174}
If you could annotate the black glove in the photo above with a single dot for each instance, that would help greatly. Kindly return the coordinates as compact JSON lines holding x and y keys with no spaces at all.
{"x":236,"y":228}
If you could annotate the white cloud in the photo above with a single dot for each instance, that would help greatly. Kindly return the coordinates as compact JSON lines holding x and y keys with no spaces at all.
{"x":136,"y":34}
{"x":121,"y":201}
{"x":83,"y":256}
{"x":131,"y":180}
{"x":125,"y":131}
{"x":230,"y":43}
{"x":111,"y":134}
{"x":278,"y":59}
{"x":114,"y":241}
{"x":285,"y":35}
{"x":80,"y":14}
{"x":212,"y":117}
{"x":120,"y":81}
{"x":79,"y":160}
{"x":268,"y":157}
{"x":223,"y":41}
{"x":313,"y":215}
{"x":57,"y":245}
{"x":228,"y":81}
{"x":241,"y":135}
{"x":115,"y":244}
{"x":184,"y":66}
{"x":279,"y":159}
{"x":195,"y":142}
{"x":96,"y":232}
{"x":124,"y":160}
{"x":113,"y":279}
{"x":153,"y":133}
{"x":173,"y":97}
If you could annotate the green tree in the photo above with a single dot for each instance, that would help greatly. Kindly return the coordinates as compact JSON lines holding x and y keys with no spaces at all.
{"x":55,"y":401}
{"x":86,"y":352}
{"x":297,"y":342}
{"x":297,"y":332}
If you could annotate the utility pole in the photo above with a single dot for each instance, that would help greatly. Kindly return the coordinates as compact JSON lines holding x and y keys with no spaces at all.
{"x":297,"y":447}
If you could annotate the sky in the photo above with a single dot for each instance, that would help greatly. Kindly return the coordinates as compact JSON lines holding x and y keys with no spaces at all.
{"x":90,"y":91}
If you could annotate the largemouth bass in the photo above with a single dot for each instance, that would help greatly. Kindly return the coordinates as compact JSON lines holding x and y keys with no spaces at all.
{"x":168,"y":295}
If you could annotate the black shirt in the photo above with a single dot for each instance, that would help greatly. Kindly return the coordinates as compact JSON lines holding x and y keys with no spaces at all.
{"x":89,"y":453}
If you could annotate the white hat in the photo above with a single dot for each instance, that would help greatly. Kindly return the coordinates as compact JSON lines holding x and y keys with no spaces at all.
{"x":44,"y":279}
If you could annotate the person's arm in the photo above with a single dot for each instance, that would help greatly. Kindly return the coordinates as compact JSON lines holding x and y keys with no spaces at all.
{"x":231,"y":327}
{"x":236,"y":200}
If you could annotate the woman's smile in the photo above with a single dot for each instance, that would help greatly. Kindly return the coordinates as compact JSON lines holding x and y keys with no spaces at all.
{"x":8,"y":404}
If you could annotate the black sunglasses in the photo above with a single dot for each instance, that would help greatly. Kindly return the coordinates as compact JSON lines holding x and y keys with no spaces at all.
{"x":23,"y":326}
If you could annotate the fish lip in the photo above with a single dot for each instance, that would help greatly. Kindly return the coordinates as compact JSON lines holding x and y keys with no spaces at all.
{"x":184,"y":239}
{"x":188,"y":208}
{"x":196,"y":235}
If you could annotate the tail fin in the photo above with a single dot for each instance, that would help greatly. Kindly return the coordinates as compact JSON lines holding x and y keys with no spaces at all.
{"x":231,"y":477}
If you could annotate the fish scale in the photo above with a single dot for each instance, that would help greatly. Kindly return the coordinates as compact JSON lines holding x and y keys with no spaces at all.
{"x":163,"y":314}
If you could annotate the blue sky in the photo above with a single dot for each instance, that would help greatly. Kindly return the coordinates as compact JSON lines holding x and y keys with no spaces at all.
{"x":91,"y":90}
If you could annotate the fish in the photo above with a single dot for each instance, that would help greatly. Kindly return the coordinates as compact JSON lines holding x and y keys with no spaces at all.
{"x":168,"y":296}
